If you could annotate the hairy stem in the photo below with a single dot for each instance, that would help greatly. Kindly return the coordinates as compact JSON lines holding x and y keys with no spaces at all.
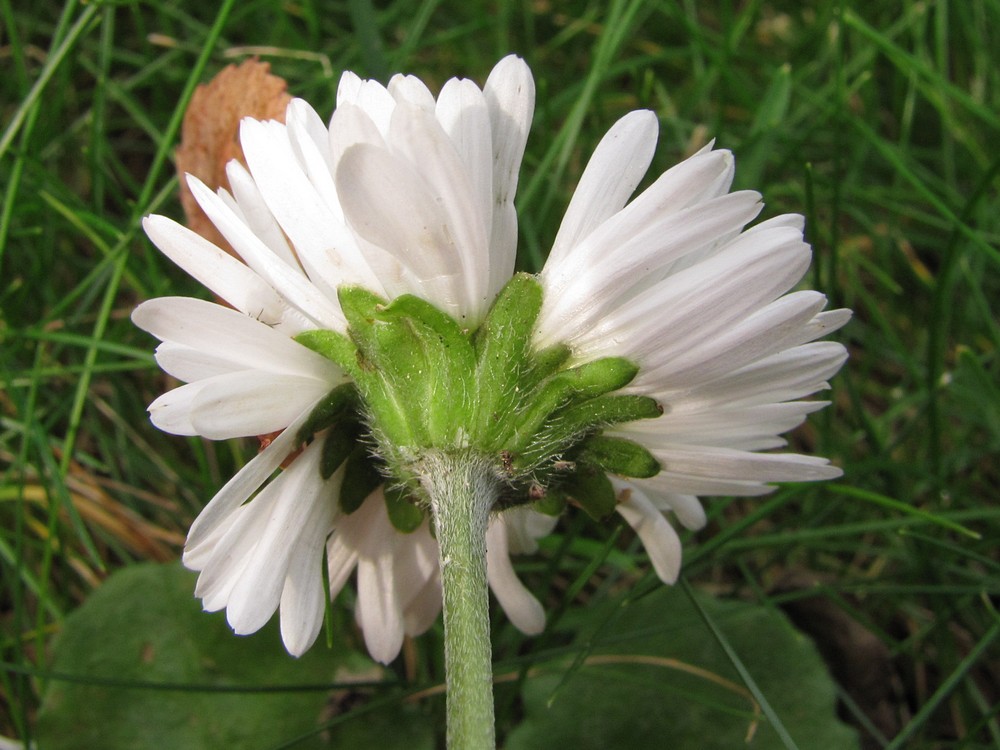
{"x":462,"y":489}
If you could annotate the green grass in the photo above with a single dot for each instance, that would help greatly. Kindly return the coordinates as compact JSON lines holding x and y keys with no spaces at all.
{"x":880,"y":122}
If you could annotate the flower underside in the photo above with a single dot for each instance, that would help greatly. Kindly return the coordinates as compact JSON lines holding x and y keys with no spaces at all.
{"x":421,"y":382}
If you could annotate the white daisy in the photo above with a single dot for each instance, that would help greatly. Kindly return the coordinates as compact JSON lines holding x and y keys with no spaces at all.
{"x":377,"y":328}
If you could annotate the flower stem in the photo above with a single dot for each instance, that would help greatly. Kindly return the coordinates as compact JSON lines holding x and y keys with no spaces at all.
{"x":462,"y":489}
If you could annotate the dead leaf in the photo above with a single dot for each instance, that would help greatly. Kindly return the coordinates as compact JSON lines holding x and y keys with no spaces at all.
{"x":210,"y":140}
{"x":210,"y":131}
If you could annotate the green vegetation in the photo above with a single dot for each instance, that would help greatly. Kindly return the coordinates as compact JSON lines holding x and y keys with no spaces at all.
{"x":879,"y":121}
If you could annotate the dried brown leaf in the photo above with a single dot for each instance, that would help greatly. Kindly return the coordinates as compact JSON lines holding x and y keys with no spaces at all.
{"x":210,"y":131}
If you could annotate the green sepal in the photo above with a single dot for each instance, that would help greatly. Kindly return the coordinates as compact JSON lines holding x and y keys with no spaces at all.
{"x":553,"y":503}
{"x":361,"y":478}
{"x":375,"y":375}
{"x":337,"y":446}
{"x":334,"y":346}
{"x":405,"y":514}
{"x":595,"y":378}
{"x":547,"y":361}
{"x":415,"y":366}
{"x":442,"y":362}
{"x":503,"y":346}
{"x":337,"y":403}
{"x":452,"y":335}
{"x":603,"y":412}
{"x":619,"y":456}
{"x":567,"y":426}
{"x":360,"y":305}
{"x":587,"y":382}
{"x":592,"y":490}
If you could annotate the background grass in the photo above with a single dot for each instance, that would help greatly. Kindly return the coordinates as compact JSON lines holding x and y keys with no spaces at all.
{"x":880,"y":121}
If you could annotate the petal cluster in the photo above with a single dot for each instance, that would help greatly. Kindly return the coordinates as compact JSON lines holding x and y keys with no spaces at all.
{"x":406,"y":194}
{"x":675,"y":282}
{"x":401,"y":193}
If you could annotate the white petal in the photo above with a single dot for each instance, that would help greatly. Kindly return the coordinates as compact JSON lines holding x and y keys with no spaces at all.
{"x":188,"y":364}
{"x":720,"y":426}
{"x":351,"y":126}
{"x":323,"y":244}
{"x":687,"y":508}
{"x":196,"y":558}
{"x":302,"y":603}
{"x":650,"y":233}
{"x":423,"y":609}
{"x":243,"y":484}
{"x":172,"y":411}
{"x":348,"y":88}
{"x":418,"y":136}
{"x":341,"y":561}
{"x":418,"y":580}
{"x":416,"y":561}
{"x":310,"y":142}
{"x":461,"y":110}
{"x":693,"y":484}
{"x":257,"y":216}
{"x":687,"y":188}
{"x":378,"y":609}
{"x":620,"y":262}
{"x":521,"y":607}
{"x":371,"y":96}
{"x":510,"y":98}
{"x":286,"y":278}
{"x":303,"y":600}
{"x":789,"y":374}
{"x":658,"y":537}
{"x":216,"y":269}
{"x":791,"y":221}
{"x":387,"y":203}
{"x":525,"y":527}
{"x":823,"y":324}
{"x":725,"y":463}
{"x":230,"y":335}
{"x":303,"y":505}
{"x":232,"y":546}
{"x":762,"y":334}
{"x":699,"y":302}
{"x":411,"y":90}
{"x":611,"y":176}
{"x":251,"y":403}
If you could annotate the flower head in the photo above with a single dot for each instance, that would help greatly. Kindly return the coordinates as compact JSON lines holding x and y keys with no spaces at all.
{"x":376,"y":319}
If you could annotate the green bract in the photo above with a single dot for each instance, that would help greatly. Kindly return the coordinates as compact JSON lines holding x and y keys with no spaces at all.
{"x":423,"y":383}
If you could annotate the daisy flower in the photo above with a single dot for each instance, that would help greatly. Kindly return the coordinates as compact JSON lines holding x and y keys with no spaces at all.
{"x":431,"y":411}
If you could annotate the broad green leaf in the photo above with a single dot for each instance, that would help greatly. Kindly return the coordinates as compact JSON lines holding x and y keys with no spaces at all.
{"x":656,"y":677}
{"x":394,"y":727}
{"x":143,"y":628}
